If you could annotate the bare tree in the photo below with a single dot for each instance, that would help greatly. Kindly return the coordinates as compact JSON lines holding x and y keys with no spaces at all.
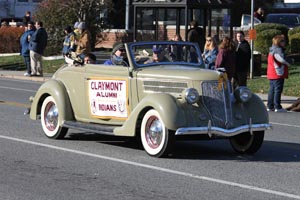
{"x":57,"y":14}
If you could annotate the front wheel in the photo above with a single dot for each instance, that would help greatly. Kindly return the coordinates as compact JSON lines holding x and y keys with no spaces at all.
{"x":49,"y":119}
{"x":156,"y":139}
{"x":246,"y":143}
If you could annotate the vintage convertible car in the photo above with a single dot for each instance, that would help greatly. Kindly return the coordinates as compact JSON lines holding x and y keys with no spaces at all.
{"x":161,"y":93}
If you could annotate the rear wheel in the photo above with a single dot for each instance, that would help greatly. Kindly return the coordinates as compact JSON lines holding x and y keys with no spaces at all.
{"x":49,"y":119}
{"x":156,"y":139}
{"x":246,"y":143}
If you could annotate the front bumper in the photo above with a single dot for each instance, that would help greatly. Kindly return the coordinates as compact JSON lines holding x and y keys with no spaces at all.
{"x":217,"y":131}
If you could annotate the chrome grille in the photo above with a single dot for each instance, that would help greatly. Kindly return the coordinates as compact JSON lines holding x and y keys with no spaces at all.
{"x":164,"y":86}
{"x":216,"y":99}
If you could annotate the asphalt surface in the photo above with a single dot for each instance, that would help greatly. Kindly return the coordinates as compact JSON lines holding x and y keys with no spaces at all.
{"x":286,"y":101}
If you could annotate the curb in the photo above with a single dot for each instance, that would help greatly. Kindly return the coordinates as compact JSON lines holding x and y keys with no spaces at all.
{"x":32,"y":78}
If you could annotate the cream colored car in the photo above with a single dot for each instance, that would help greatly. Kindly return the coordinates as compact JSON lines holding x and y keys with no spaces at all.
{"x":158,"y":93}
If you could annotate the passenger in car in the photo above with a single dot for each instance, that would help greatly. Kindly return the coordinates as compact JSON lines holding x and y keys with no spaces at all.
{"x":118,"y":56}
{"x":157,"y":56}
{"x":90,"y":58}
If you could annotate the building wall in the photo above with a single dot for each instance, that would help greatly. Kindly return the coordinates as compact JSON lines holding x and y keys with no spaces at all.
{"x":107,"y":38}
{"x":16,"y":8}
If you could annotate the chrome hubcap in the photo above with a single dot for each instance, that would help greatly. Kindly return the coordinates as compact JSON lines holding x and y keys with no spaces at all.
{"x":154,"y":132}
{"x":51,"y":116}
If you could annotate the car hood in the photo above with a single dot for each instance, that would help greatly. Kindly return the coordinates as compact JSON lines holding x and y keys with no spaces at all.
{"x":178,"y":72}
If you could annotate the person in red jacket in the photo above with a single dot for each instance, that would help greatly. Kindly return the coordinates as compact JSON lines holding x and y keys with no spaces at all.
{"x":277,"y":71}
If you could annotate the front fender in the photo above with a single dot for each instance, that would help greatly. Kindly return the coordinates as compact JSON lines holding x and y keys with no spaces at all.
{"x":168,"y":107}
{"x":256,"y":110}
{"x":57,"y":90}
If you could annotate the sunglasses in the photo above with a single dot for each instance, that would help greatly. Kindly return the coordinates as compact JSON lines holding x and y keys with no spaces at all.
{"x":122,"y":50}
{"x":208,"y":40}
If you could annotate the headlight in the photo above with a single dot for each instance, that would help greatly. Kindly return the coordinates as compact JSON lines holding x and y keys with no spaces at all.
{"x":242,"y":94}
{"x":191,"y":95}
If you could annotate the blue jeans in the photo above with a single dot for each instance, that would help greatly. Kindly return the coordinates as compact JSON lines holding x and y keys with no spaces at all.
{"x":27,"y":64}
{"x":274,"y":95}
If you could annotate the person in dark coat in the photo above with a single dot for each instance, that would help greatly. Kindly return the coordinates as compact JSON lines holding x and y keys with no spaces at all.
{"x":37,"y":46}
{"x":259,"y":14}
{"x":226,"y":57}
{"x":24,"y":44}
{"x":27,"y":18}
{"x":196,"y":34}
{"x":243,"y":56}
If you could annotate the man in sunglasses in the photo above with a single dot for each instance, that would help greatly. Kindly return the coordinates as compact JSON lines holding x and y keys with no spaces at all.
{"x":118,"y":56}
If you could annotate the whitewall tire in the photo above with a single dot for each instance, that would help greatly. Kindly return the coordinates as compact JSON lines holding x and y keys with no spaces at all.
{"x":156,"y":139}
{"x":49,"y":119}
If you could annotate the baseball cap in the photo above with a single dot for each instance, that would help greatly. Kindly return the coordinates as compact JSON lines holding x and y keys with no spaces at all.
{"x":157,"y":49}
{"x":118,"y":46}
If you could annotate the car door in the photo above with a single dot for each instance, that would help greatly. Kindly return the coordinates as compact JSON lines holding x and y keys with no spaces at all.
{"x":107,"y":94}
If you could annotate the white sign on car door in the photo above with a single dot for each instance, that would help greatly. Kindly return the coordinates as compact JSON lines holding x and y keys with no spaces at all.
{"x":108,"y":98}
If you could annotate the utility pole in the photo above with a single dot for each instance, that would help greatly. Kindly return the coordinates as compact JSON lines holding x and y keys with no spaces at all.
{"x":127,"y":15}
{"x":252,"y":33}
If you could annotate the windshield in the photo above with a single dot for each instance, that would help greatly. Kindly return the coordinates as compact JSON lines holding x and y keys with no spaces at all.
{"x":146,"y":54}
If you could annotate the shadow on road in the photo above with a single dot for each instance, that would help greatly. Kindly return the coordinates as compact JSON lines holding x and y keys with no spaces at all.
{"x":271,"y":151}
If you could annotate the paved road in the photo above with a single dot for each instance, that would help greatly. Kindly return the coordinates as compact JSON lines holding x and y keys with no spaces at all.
{"x":89,"y":166}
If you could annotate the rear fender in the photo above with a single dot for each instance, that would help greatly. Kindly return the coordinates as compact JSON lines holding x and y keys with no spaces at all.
{"x":58,"y":91}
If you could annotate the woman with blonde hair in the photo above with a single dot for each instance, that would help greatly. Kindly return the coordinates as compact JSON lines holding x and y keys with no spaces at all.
{"x":277,"y":71}
{"x":210,"y":53}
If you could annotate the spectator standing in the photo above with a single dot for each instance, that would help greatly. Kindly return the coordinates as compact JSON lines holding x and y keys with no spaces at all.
{"x":277,"y":71}
{"x":210,"y":53}
{"x":27,"y":18}
{"x":243,"y":56}
{"x":196,"y":34}
{"x":259,"y":14}
{"x":69,"y":41}
{"x":118,"y":55}
{"x":84,"y":41}
{"x":24,"y":44}
{"x":226,"y":57}
{"x":76,"y":30}
{"x":37,"y":46}
{"x":176,"y":51}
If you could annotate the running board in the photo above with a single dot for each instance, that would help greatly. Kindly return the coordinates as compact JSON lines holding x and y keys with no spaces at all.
{"x":95,"y":128}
